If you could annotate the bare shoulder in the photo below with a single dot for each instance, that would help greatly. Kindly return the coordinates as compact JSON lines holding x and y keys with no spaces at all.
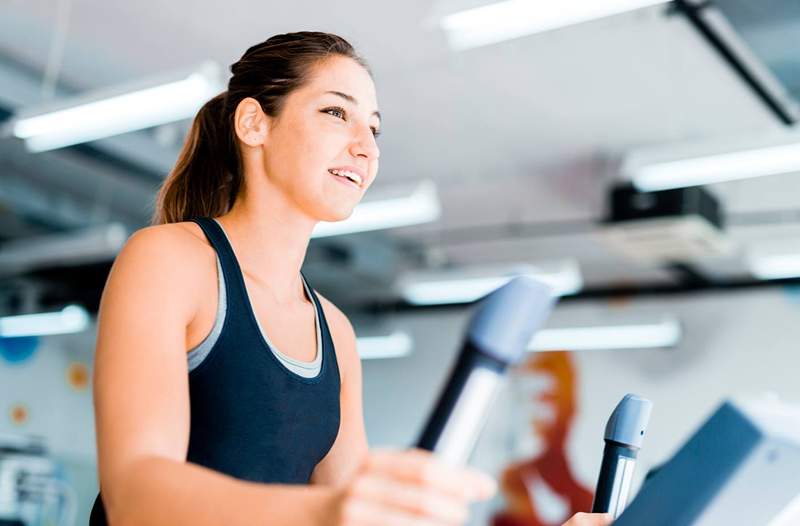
{"x":169,"y":259}
{"x":173,"y":245}
{"x":338,"y":322}
{"x":175,"y":238}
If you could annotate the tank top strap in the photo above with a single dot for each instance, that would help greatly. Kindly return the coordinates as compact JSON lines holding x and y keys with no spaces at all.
{"x":317,"y":305}
{"x":327,"y":340}
{"x":314,"y":298}
{"x":234,"y":280}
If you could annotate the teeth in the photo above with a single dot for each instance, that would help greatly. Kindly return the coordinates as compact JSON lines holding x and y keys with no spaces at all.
{"x":350,"y":175}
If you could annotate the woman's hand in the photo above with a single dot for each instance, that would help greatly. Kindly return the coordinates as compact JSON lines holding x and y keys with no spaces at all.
{"x":409,"y":488}
{"x":589,"y":519}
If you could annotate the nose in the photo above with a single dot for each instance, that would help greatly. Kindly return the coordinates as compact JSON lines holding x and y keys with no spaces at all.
{"x":364,"y":145}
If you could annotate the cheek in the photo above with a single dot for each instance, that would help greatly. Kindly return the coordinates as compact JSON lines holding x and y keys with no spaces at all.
{"x":317,"y":151}
{"x":302,"y":163}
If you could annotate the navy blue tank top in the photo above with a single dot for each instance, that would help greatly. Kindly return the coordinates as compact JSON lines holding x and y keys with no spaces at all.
{"x":251,"y":417}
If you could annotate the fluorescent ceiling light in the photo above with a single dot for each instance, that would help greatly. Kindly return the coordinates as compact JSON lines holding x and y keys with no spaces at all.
{"x":70,"y":319}
{"x":117,"y":110}
{"x":395,"y":345}
{"x":679,"y":166}
{"x":663,"y":333}
{"x":421,"y":206}
{"x":470,"y":284}
{"x":510,"y":19}
{"x":775,"y":266}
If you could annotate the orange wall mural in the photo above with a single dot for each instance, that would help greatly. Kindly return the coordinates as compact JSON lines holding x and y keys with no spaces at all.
{"x":547,"y":471}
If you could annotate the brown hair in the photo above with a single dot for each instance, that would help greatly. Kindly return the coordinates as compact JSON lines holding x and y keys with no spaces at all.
{"x":207,"y":176}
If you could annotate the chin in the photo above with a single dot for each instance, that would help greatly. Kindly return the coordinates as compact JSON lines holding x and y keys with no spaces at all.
{"x":333,"y":215}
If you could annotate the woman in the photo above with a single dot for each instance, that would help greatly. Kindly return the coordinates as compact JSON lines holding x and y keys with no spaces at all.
{"x":267,"y":427}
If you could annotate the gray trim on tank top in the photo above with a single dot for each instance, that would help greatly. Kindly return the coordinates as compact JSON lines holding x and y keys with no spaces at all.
{"x":199,"y":353}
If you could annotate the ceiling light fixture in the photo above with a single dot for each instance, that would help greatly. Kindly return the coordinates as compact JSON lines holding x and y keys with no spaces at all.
{"x":465,"y":285}
{"x":496,"y":22}
{"x":395,"y":345}
{"x":70,"y":319}
{"x":693,"y":164}
{"x":116,"y":110}
{"x":420,"y":206}
{"x":665,"y":332}
{"x":775,"y":266}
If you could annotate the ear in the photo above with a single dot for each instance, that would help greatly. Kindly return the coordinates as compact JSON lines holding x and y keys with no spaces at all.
{"x":250,"y":122}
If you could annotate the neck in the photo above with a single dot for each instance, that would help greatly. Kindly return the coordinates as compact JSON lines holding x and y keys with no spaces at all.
{"x":270,"y":237}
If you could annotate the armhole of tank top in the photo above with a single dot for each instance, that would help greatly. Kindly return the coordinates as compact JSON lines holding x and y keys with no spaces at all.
{"x":199,"y":353}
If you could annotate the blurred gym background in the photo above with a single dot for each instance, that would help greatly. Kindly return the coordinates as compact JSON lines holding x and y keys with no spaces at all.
{"x":641,"y":156}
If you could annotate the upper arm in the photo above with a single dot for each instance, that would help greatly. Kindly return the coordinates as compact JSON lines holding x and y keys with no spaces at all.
{"x":350,"y":448}
{"x":140,"y":380}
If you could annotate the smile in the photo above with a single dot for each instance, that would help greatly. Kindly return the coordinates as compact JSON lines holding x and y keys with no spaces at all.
{"x":346,"y":174}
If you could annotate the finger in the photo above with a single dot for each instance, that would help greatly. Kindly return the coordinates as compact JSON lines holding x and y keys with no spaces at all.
{"x":412,"y":499}
{"x":439,"y":476}
{"x":364,"y":513}
{"x":423,"y":468}
{"x":601,"y":519}
{"x":590,"y":519}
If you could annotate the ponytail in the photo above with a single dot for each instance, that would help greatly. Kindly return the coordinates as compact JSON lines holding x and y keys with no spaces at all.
{"x":207,"y":176}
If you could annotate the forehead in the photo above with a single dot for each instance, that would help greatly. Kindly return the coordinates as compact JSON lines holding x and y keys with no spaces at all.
{"x":344,"y":75}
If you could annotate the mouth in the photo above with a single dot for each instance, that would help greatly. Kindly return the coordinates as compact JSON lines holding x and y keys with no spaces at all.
{"x":348,"y":176}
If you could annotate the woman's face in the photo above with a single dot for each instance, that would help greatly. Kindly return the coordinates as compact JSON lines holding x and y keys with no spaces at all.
{"x":321,"y":150}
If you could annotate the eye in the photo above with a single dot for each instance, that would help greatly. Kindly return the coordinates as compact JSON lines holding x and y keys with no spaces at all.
{"x":336,"y":112}
{"x":340,"y":113}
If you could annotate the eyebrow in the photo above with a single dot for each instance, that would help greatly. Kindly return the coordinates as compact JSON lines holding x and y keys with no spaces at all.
{"x":352,"y":100}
